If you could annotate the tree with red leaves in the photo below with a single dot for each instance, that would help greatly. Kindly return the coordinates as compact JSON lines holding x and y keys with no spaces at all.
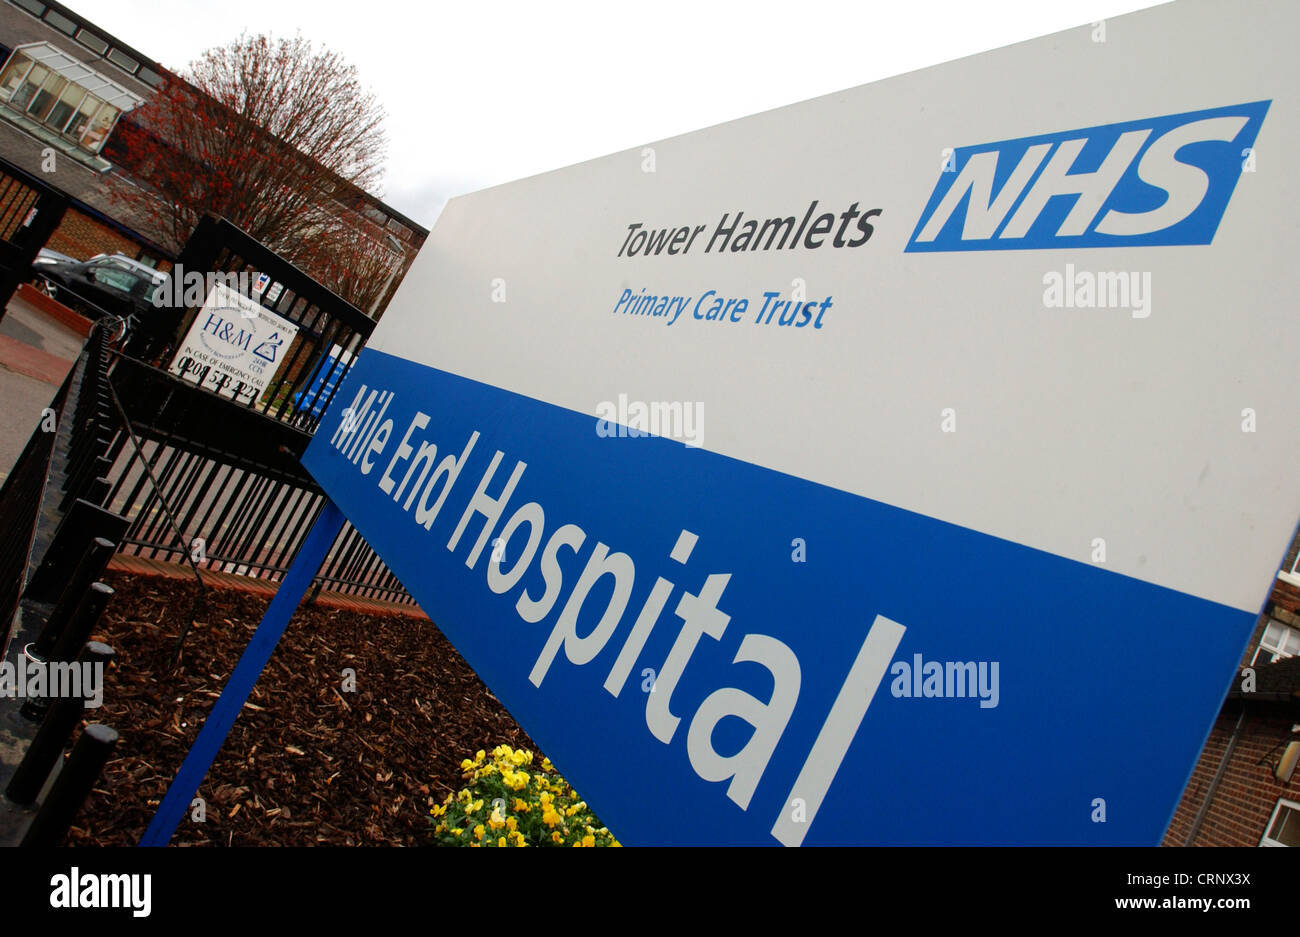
{"x":280,"y":139}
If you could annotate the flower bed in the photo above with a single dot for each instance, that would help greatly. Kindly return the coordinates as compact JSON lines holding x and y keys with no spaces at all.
{"x":509,"y":801}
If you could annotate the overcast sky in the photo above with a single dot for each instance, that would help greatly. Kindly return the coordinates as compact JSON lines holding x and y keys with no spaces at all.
{"x":483,"y":93}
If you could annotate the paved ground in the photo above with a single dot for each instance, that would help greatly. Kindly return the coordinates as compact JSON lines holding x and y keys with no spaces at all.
{"x":35,"y":355}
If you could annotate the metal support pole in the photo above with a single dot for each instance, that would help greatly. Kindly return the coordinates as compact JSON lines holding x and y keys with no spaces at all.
{"x":217,"y":726}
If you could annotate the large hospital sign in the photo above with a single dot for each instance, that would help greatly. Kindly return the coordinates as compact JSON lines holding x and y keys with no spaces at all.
{"x":781,"y":503}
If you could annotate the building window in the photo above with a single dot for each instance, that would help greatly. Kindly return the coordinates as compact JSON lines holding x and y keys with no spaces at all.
{"x":61,"y":113}
{"x":92,"y":42}
{"x":60,"y":22}
{"x":31,"y":6}
{"x":123,"y":61}
{"x":1283,"y":827}
{"x":29,"y":82}
{"x":13,"y":75}
{"x":1278,"y":641}
{"x":58,"y":99}
{"x":1292,"y":574}
{"x":49,"y":92}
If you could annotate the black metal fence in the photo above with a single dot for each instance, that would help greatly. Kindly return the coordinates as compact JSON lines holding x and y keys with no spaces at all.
{"x":210,"y":474}
{"x":204,"y":476}
{"x":223,"y":484}
{"x":330,"y":329}
{"x":20,"y":506}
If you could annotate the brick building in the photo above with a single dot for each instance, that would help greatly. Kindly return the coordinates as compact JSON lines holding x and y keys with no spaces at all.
{"x":65,"y":86}
{"x":1244,"y":790}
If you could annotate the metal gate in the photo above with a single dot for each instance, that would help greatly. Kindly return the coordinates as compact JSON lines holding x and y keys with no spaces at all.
{"x":30,"y":210}
{"x":205,"y":479}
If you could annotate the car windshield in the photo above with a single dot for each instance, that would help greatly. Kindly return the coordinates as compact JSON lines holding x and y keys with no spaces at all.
{"x":121,"y":277}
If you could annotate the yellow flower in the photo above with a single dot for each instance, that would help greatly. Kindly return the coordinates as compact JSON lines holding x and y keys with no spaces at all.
{"x":520,"y":805}
{"x":556,"y":837}
{"x":512,"y":824}
{"x":588,"y":840}
{"x":479,"y":756}
{"x":496,"y":821}
{"x":501,"y":840}
{"x":518,"y":838}
{"x":474,"y":807}
{"x":478,"y":832}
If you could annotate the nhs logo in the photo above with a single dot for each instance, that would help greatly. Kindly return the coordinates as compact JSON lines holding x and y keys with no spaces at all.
{"x":1165,"y":180}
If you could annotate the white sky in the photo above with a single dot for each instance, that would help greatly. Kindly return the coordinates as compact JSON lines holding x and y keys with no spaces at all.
{"x":479,"y":93}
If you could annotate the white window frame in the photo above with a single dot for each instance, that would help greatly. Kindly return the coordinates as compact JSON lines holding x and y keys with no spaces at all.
{"x":109,"y":93}
{"x":1275,"y":653}
{"x":1281,"y":802}
{"x":1291,"y":575}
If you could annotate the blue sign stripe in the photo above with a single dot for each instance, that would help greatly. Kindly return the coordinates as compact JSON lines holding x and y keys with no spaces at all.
{"x":1094,"y":701}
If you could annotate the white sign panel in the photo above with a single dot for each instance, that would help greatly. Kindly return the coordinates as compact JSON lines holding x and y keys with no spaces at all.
{"x":234,"y":345}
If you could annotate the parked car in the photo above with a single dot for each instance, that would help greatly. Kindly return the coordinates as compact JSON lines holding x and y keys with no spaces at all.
{"x":111,"y":284}
{"x":45,"y":256}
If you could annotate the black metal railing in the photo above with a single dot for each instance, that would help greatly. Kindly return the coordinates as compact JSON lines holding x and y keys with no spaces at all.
{"x":20,"y":506}
{"x":200,"y":476}
{"x":331,"y":331}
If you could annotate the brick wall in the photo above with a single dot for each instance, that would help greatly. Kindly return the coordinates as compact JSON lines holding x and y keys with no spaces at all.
{"x":81,"y":236}
{"x":1285,"y":597}
{"x":1247,"y":793}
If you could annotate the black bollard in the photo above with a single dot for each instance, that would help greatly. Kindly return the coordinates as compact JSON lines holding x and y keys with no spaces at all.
{"x":53,"y":735}
{"x":78,"y":631}
{"x":93,"y":749}
{"x":90,"y":469}
{"x":70,"y":640}
{"x":97,"y":491}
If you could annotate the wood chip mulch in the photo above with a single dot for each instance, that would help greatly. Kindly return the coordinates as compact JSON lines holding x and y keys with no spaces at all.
{"x":307,"y":762}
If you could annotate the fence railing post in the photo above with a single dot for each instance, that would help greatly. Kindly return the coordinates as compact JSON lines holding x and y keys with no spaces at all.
{"x":71,"y":788}
{"x":45,"y":748}
{"x":71,"y":637}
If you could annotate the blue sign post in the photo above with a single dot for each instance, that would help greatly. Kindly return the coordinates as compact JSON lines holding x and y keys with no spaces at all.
{"x":235,"y":693}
